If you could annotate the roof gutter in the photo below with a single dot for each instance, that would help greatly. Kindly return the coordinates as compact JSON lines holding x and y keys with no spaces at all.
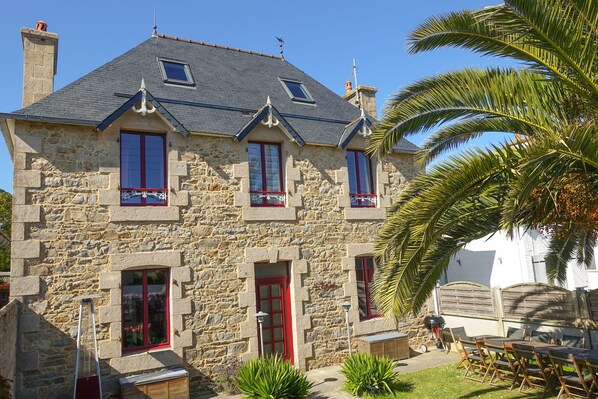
{"x":35,"y":118}
{"x":7,"y":126}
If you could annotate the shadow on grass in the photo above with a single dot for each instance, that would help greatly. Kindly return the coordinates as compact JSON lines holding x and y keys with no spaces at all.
{"x":403,"y":386}
{"x":487,"y":390}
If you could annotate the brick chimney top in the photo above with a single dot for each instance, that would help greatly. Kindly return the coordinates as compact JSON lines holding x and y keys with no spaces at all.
{"x":348,"y":88}
{"x":41,"y":25}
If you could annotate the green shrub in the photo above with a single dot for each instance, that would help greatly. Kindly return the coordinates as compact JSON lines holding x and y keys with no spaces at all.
{"x":272,"y":377}
{"x":366,"y":373}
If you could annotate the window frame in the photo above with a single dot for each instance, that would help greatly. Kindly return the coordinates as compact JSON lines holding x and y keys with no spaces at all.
{"x":265,"y":177}
{"x":309,"y":98}
{"x":361,"y":203}
{"x":367,"y":287}
{"x":189,"y":82}
{"x":146,"y":346}
{"x":143,"y":170}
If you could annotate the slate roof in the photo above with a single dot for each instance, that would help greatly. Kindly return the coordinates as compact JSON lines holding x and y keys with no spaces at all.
{"x":230,"y":86}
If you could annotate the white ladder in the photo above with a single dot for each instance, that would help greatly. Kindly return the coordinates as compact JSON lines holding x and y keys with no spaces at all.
{"x":83,"y":301}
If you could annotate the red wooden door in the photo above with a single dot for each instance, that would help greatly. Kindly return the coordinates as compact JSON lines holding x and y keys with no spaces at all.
{"x":273,"y":297}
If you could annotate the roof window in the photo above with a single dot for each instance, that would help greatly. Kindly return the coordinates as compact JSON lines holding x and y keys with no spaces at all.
{"x":176,"y":72}
{"x":297,"y":91}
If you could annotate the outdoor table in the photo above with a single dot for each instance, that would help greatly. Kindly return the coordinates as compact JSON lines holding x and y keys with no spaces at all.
{"x":579,"y":353}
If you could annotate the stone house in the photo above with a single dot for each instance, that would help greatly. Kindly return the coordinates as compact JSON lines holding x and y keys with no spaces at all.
{"x":228,"y":182}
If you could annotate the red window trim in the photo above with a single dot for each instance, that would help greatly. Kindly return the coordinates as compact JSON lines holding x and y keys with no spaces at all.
{"x":142,"y":161}
{"x":146,"y":345}
{"x":361,"y":203}
{"x":264,"y":176}
{"x":367,"y":283}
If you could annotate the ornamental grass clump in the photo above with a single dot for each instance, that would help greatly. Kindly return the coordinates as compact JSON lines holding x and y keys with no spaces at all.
{"x":366,"y":373}
{"x":272,"y":377}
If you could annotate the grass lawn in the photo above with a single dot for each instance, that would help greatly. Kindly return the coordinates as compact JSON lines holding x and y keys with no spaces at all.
{"x":446,"y":382}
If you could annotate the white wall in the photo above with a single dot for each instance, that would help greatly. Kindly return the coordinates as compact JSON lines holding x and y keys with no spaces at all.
{"x":498,"y":261}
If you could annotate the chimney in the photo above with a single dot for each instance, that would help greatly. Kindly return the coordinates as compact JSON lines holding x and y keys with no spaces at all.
{"x":40,"y":55}
{"x":366,"y":96}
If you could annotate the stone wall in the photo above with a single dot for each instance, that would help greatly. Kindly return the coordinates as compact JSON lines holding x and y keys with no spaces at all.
{"x":8,"y":348}
{"x":71,"y":238}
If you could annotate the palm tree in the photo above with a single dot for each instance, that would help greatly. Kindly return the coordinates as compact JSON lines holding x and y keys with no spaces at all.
{"x":545,"y":178}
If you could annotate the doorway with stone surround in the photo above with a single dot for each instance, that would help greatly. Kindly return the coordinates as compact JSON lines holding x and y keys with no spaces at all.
{"x":273,"y":297}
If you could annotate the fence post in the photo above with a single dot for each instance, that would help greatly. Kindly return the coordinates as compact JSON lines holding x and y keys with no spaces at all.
{"x":498,"y":310}
{"x":435,"y":294}
{"x":582,"y":310}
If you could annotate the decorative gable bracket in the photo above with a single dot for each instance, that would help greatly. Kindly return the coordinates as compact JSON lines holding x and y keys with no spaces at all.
{"x":361,"y":126}
{"x":145,"y":98}
{"x":269,"y":116}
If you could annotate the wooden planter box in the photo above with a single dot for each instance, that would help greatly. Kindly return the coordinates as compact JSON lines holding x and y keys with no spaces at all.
{"x":169,"y":384}
{"x":394,"y":345}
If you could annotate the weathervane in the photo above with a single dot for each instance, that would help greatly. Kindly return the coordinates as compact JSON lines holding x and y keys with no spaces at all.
{"x":356,"y":91}
{"x":155,"y":31}
{"x":143,"y":109}
{"x":280,"y":44}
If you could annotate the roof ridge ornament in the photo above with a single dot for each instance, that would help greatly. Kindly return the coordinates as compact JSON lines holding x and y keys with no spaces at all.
{"x":365,"y":131}
{"x":270,"y":120}
{"x":143,"y":109}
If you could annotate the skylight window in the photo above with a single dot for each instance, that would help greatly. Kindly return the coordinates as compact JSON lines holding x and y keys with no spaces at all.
{"x":297,"y":91}
{"x":176,"y":72}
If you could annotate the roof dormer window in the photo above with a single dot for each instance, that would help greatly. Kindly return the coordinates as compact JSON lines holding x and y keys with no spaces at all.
{"x":176,"y":72}
{"x":297,"y":91}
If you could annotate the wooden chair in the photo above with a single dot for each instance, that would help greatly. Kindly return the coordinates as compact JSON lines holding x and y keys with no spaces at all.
{"x":537,"y":373}
{"x":476,"y":361}
{"x":503,"y":363}
{"x":592,"y":364}
{"x":574,"y":383}
{"x":540,"y":336}
{"x":574,"y":341}
{"x":456,"y":334}
{"x":516,"y":333}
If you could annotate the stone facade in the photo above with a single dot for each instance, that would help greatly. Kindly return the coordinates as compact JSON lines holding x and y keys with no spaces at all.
{"x":71,"y":237}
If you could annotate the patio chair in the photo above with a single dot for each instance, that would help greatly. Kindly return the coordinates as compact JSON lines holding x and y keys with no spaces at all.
{"x":540,"y":336}
{"x":569,"y":371}
{"x":592,"y":363}
{"x":503,"y":363}
{"x":537,"y":373}
{"x":516,"y":333}
{"x":475,"y":360}
{"x":575,"y":341}
{"x":456,"y":334}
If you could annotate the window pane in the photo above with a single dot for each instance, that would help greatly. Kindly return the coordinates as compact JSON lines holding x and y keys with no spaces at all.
{"x":154,"y":165}
{"x":156,"y":305}
{"x":352,"y":169}
{"x":132,"y":309}
{"x":175,"y":71}
{"x":365,"y":181}
{"x":361,"y":288}
{"x":370,"y":270}
{"x":272,"y":158}
{"x":296,"y":90}
{"x":130,"y":163}
{"x":255,"y":166}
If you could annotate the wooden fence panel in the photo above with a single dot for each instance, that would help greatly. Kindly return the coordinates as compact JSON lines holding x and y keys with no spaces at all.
{"x":538,"y":302}
{"x":466,"y":299}
{"x":593,"y":304}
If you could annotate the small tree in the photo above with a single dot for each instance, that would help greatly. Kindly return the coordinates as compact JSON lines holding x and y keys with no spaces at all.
{"x":5,"y":221}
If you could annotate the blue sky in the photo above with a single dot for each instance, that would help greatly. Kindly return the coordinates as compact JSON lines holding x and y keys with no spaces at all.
{"x":321,"y":38}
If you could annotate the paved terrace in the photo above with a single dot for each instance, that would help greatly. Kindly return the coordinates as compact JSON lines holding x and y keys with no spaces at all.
{"x":328,"y":381}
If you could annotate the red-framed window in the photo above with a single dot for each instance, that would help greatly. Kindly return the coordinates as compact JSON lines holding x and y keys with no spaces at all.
{"x":365,"y":268}
{"x":361,"y":179}
{"x":265,"y":174}
{"x":143,"y":169}
{"x":145,"y":309}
